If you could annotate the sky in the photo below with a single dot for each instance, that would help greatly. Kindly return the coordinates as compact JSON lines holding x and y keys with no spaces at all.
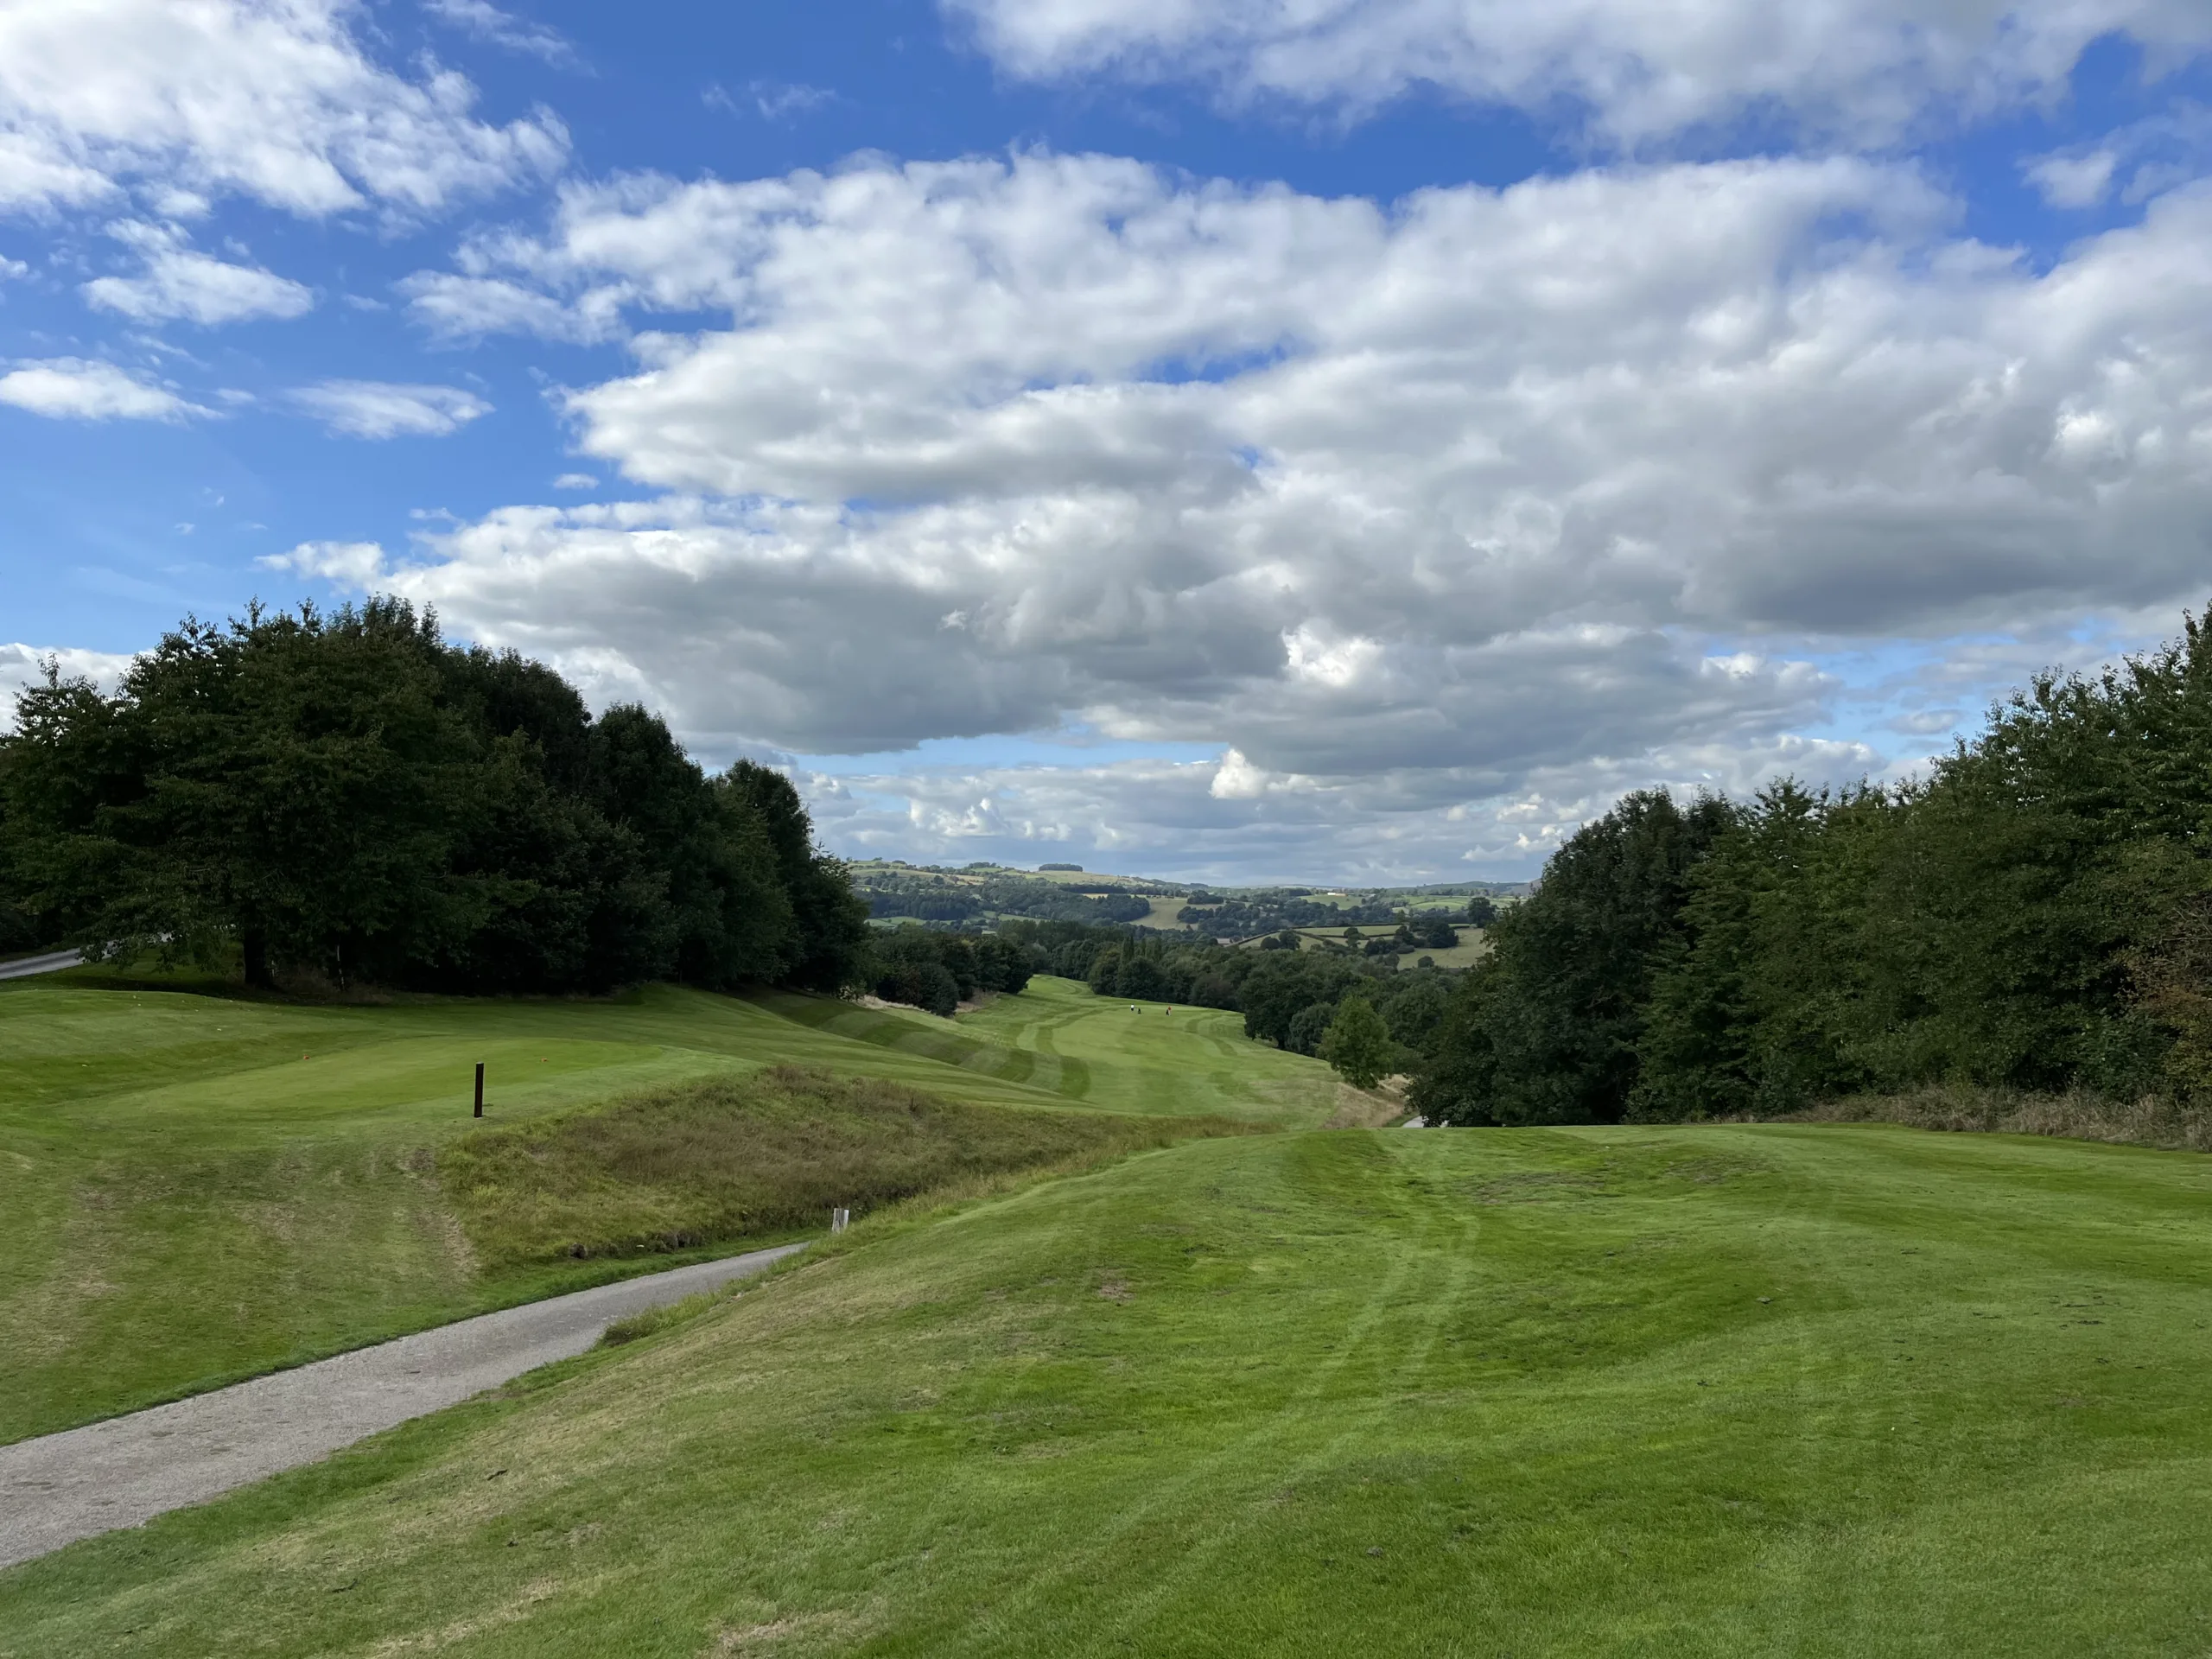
{"x":1240,"y":439}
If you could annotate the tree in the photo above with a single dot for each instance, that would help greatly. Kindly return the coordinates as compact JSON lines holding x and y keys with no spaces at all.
{"x":345,"y":795}
{"x":829,"y":950}
{"x":1357,"y":1043}
{"x":1546,"y":1029}
{"x":1307,"y":1027}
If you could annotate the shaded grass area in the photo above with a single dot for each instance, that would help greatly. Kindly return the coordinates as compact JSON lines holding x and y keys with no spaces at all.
{"x":1960,"y":1107}
{"x":1716,"y":1390}
{"x":196,"y":1188}
{"x":733,"y":1157}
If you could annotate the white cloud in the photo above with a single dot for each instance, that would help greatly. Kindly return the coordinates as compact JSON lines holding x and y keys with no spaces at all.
{"x":25,"y":666}
{"x":1224,"y":820}
{"x":2072,"y":180}
{"x":1866,"y":69}
{"x":776,"y":100}
{"x":487,"y":23}
{"x":355,"y":564}
{"x":75,"y":388}
{"x":575,"y":481}
{"x":378,"y":408}
{"x":1414,"y":504}
{"x":2138,"y":161}
{"x":273,"y":99}
{"x":179,"y":282}
{"x":13,"y":271}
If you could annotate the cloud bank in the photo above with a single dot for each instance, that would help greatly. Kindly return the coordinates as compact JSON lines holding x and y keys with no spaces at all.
{"x":1867,"y":72}
{"x":1407,"y":503}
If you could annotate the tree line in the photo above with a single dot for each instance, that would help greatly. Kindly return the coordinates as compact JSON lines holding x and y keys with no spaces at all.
{"x":934,"y":898}
{"x":348,"y":797}
{"x":2036,"y":913}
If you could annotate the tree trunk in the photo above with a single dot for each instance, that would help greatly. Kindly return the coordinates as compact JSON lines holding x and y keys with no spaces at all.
{"x":257,"y":957}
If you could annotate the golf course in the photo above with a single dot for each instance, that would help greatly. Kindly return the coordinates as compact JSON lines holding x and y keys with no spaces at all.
{"x":1133,"y":1356}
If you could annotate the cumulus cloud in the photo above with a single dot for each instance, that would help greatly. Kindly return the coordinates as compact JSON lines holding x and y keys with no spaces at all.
{"x":378,"y":409}
{"x":1866,"y":70}
{"x":1406,"y":504}
{"x":1182,"y":819}
{"x":75,"y":388}
{"x":271,"y":99}
{"x":355,"y":564}
{"x":179,"y":282}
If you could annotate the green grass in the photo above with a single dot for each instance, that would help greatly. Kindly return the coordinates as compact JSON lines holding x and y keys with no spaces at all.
{"x":1722,"y":1390}
{"x":1192,"y":1060}
{"x":195,"y":1188}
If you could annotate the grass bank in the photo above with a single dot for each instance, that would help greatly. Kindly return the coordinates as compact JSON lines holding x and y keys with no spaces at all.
{"x":736,"y":1157}
{"x":198,"y":1187}
{"x":1717,"y":1390}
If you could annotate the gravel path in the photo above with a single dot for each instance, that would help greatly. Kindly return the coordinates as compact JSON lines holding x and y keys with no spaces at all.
{"x":53,"y":963}
{"x":60,"y":1488}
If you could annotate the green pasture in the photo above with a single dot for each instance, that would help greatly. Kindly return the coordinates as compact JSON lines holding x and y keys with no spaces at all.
{"x":195,"y":1187}
{"x":1720,"y":1390}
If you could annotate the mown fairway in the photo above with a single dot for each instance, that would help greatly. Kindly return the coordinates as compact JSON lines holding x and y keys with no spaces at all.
{"x":1721,"y":1391}
{"x":1159,"y":1059}
{"x":1093,"y":1050}
{"x":195,"y":1188}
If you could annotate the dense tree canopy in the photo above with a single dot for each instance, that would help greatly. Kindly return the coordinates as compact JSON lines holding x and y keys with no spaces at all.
{"x":346,"y":796}
{"x":2036,"y":913}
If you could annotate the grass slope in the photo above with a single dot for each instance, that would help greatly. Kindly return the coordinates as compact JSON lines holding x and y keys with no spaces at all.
{"x":733,"y":1157}
{"x":195,"y":1188}
{"x":1725,"y":1390}
{"x":1195,"y":1060}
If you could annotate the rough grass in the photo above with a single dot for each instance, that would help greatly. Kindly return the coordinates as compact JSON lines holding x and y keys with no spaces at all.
{"x":1827,"y":1390}
{"x":733,"y":1157}
{"x":2078,"y":1116}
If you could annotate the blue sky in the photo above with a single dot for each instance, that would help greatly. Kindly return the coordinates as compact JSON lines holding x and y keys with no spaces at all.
{"x":1349,"y":441}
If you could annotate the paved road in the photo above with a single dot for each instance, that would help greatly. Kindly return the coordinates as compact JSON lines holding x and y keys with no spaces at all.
{"x":60,"y":1488}
{"x":53,"y":963}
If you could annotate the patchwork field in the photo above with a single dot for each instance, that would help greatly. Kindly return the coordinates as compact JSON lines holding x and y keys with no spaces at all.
{"x":1714,"y":1391}
{"x":195,"y":1188}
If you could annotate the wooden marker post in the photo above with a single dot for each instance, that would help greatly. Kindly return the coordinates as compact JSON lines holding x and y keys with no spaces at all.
{"x":480,"y":1088}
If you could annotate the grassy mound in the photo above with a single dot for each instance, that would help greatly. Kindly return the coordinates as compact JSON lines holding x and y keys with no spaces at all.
{"x":732,"y":1157}
{"x":1719,"y":1391}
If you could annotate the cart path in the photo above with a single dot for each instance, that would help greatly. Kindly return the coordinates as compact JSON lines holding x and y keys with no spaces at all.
{"x":58,"y":1488}
{"x":52,"y":963}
